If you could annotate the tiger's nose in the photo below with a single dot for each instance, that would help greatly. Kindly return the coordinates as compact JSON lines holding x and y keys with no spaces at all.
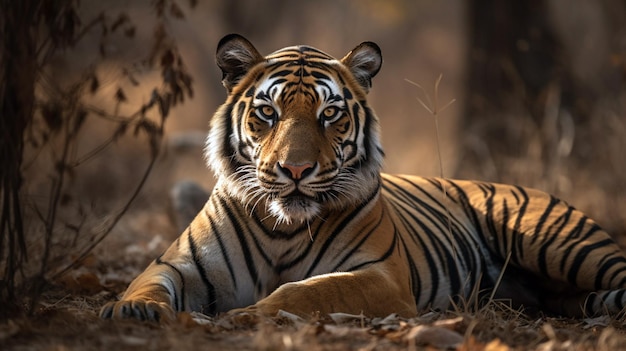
{"x":296,"y":172}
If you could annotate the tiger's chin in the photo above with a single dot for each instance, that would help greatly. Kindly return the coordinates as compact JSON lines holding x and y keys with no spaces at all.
{"x":294,"y":210}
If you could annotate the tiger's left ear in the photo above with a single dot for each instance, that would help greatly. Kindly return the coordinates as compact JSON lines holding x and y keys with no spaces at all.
{"x":235,"y":56}
{"x":364,"y":62}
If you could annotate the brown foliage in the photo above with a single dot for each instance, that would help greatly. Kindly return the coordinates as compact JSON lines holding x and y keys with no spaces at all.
{"x":46,"y":118}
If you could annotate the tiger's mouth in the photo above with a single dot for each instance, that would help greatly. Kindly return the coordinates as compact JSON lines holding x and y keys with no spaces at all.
{"x":296,"y":194}
{"x":295,"y":207}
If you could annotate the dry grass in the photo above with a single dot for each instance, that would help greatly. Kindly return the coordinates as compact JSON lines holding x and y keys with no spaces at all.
{"x":68,"y":321}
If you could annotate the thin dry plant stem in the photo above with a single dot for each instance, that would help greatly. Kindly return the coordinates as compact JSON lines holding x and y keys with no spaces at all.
{"x":105,"y":232}
{"x":51,"y":217}
{"x":499,"y":280}
{"x":434,"y":110}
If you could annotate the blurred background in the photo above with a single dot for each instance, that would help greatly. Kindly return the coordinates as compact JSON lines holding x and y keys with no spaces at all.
{"x":538,"y":87}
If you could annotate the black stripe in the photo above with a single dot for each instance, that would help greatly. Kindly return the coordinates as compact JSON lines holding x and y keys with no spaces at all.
{"x":436,"y":239}
{"x":433,"y":267}
{"x":241,"y":139}
{"x":223,"y":250}
{"x":575,"y":233}
{"x":237,"y":228}
{"x":227,"y":147}
{"x":458,"y":231}
{"x":274,"y":234}
{"x":368,"y":141}
{"x":358,"y":245}
{"x":250,"y":92}
{"x":542,"y":220}
{"x":440,"y":214}
{"x":619,"y":296}
{"x":581,"y":256}
{"x":438,"y":183}
{"x":281,"y":73}
{"x":287,"y":265}
{"x":339,"y":230}
{"x":381,"y":258}
{"x":416,"y":281}
{"x":503,"y":229}
{"x":457,"y":238}
{"x":357,"y":131}
{"x":517,"y":240}
{"x":178,"y":297}
{"x":470,"y":212}
{"x":211,"y":306}
{"x":489,"y":219}
{"x":589,"y":302}
{"x":542,"y":256}
{"x":618,"y":272}
{"x":577,"y":230}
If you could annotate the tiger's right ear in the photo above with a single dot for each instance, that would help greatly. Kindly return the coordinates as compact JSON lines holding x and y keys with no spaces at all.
{"x":235,"y":56}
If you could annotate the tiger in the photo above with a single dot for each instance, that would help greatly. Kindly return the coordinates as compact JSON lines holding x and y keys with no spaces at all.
{"x":303,"y":220}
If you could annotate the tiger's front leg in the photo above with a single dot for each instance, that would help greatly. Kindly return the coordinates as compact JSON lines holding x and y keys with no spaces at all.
{"x":190,"y":276}
{"x":145,"y":298}
{"x":369,"y":291}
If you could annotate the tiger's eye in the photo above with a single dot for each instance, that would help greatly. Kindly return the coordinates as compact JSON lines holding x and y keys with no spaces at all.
{"x":267,"y":111}
{"x":330,"y":112}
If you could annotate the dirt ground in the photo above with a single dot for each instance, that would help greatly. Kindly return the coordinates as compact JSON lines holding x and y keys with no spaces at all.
{"x":66,"y":317}
{"x":68,"y":321}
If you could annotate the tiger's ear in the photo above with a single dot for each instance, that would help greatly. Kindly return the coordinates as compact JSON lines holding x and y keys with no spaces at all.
{"x":364,"y":62}
{"x":235,"y":56}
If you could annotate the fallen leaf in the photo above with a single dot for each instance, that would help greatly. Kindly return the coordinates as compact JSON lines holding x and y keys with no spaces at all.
{"x":290,"y":316}
{"x":239,"y":320}
{"x":343,"y":318}
{"x":186,"y":319}
{"x":341,"y":331}
{"x":437,"y":337}
{"x":471,"y":344}
{"x":496,"y":345}
{"x":133,"y":340}
{"x":81,"y":282}
{"x":390,"y":319}
{"x":200,"y":318}
{"x":452,"y":323}
{"x":601,"y":321}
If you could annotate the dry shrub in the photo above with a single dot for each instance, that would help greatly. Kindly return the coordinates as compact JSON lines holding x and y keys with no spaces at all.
{"x":47,"y":224}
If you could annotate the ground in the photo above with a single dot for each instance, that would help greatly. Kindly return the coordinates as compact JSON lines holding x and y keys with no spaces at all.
{"x":69,"y":322}
{"x":66,"y":318}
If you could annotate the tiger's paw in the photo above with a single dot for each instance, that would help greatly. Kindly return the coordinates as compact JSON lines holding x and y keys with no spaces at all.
{"x":143,"y":310}
{"x":261,"y":308}
{"x":246,"y":316}
{"x":252,"y":314}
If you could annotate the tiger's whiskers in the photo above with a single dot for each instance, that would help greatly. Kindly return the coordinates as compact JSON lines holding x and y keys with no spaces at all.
{"x":308,"y":225}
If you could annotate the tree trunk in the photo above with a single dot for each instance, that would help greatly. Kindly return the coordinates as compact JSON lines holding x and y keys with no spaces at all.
{"x":17,"y":69}
{"x":516,"y":74}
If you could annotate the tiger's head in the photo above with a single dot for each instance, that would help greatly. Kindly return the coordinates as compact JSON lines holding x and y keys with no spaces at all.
{"x":296,"y":134}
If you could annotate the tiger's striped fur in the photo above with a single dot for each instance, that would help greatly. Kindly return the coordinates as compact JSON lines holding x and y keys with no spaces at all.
{"x":302,"y":219}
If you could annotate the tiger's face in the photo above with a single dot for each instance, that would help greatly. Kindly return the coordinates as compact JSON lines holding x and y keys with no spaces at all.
{"x":295,"y":134}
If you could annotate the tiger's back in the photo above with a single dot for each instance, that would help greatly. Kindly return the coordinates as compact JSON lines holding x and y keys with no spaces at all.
{"x":533,"y":248}
{"x":302,"y":219}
